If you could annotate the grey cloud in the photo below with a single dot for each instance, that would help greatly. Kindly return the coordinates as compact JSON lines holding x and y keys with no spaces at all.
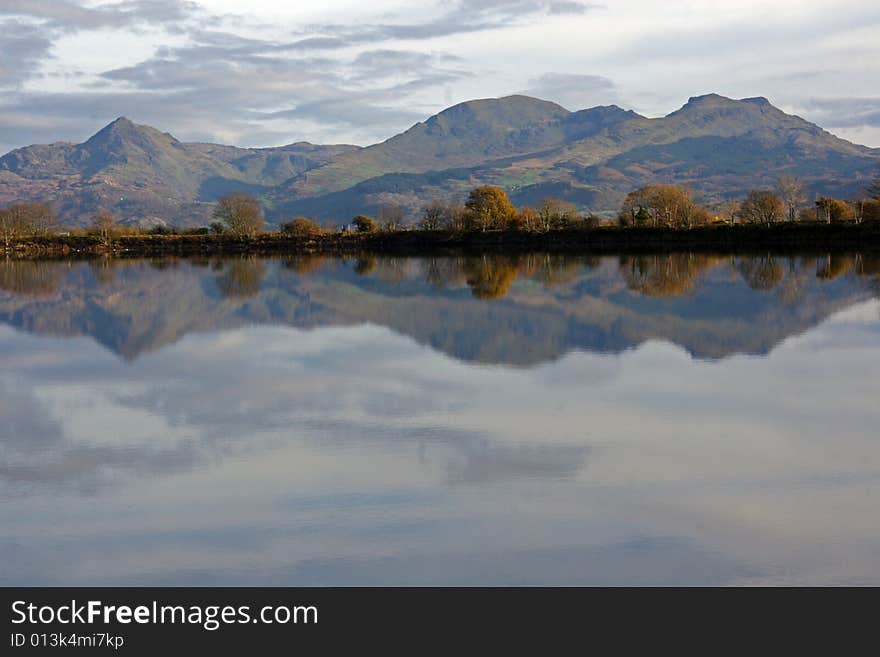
{"x":23,"y":47}
{"x":348,"y":110}
{"x":227,"y":79}
{"x":574,"y":91}
{"x":843,"y":112}
{"x":222,"y":86}
{"x":520,"y":7}
{"x":67,"y":15}
{"x":745,"y":35}
{"x":561,"y":8}
{"x":373,"y":61}
{"x":29,"y":28}
{"x":463,"y":17}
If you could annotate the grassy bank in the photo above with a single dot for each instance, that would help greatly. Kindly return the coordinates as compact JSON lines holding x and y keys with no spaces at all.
{"x":716,"y":238}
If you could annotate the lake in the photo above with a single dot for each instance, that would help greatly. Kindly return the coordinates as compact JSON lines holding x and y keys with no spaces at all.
{"x":486,"y":420}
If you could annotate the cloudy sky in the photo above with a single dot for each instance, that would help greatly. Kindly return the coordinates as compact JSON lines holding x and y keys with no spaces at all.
{"x":265,"y":73}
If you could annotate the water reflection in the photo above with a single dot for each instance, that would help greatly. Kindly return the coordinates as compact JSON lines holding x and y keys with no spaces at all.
{"x":529,"y":419}
{"x":522,"y":309}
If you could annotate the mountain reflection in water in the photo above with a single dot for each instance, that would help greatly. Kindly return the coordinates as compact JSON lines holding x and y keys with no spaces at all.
{"x":542,"y":306}
{"x":539,"y":419}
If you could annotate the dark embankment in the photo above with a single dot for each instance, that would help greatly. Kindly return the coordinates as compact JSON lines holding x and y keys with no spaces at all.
{"x":799,"y":237}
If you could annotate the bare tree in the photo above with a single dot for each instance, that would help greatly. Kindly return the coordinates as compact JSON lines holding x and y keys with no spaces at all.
{"x":792,"y":191}
{"x":555,"y":213}
{"x":24,"y":219}
{"x":729,"y":211}
{"x":454,"y":217}
{"x":761,"y":207}
{"x":11,"y":227}
{"x":391,"y":217}
{"x":432,"y":215}
{"x":103,"y":225}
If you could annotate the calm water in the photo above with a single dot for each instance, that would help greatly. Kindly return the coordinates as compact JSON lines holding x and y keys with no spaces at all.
{"x":533,"y":420}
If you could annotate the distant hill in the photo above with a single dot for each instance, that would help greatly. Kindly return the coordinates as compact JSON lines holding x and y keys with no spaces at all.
{"x":148,"y":175}
{"x":535,"y":149}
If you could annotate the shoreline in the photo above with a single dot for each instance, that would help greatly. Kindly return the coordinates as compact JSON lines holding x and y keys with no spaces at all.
{"x":781,"y":237}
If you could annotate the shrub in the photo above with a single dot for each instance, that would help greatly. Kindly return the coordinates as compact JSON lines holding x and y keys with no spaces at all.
{"x":301,"y":227}
{"x":364,"y":224}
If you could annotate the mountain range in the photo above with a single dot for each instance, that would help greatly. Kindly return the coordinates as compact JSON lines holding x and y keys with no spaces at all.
{"x":719,"y":147}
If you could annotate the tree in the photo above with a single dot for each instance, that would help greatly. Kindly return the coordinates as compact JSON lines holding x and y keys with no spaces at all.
{"x":455,"y":217}
{"x":832,"y":209}
{"x":528,"y":219}
{"x":391,"y":217}
{"x":302,"y":227}
{"x":10,"y":226}
{"x":364,"y":224}
{"x":871,"y":210}
{"x":807,"y":215}
{"x":432,"y":215}
{"x":555,"y":213}
{"x":761,"y":207}
{"x":23,"y":219}
{"x":488,"y":207}
{"x":729,"y":211}
{"x":240,"y":214}
{"x":792,"y":192}
{"x":103,"y":225}
{"x":669,"y":206}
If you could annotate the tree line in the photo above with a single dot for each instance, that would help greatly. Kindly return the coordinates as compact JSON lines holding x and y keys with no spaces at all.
{"x":671,"y":206}
{"x":488,"y":208}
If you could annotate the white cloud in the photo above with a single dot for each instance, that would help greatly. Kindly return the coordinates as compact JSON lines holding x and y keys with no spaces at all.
{"x":652,"y":56}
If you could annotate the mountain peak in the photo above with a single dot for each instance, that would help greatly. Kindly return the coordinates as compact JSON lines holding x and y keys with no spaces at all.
{"x":486,"y":120}
{"x":510,"y":111}
{"x":125,"y":143}
{"x":712,"y":108}
{"x":124,"y":129}
{"x":703,"y":98}
{"x":714,"y":101}
{"x":707,"y":104}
